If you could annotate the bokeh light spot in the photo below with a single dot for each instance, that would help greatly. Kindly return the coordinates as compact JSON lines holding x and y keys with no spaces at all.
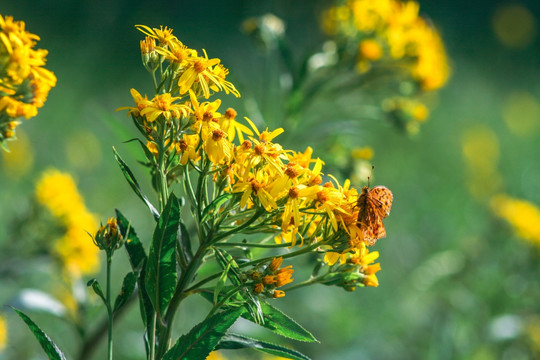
{"x":521,"y":113}
{"x":514,"y":26}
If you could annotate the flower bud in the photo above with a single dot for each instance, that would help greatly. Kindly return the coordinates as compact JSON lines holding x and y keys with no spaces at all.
{"x":108,"y":237}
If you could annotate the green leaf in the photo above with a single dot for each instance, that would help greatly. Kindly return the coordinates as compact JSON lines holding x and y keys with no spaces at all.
{"x":234,"y":341}
{"x":50,"y":348}
{"x":276,"y":321}
{"x":282,"y":324}
{"x":128,"y":285}
{"x":161,"y":267}
{"x":225,"y":259}
{"x":214,"y":206}
{"x":134,"y":184}
{"x":185,"y":243}
{"x":134,"y":247}
{"x":204,"y":337}
{"x":221,"y":283}
{"x":97,"y":289}
{"x":138,"y":259}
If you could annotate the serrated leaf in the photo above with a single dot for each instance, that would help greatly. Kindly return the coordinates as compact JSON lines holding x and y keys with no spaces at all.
{"x":128,"y":285}
{"x":204,"y":337}
{"x":161,"y":267}
{"x":215,"y":206}
{"x":234,"y":341}
{"x":226,"y":260}
{"x":134,"y":184}
{"x":50,"y":348}
{"x":282,"y":324}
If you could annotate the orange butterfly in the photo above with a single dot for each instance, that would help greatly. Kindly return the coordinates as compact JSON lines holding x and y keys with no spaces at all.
{"x":374,"y":205}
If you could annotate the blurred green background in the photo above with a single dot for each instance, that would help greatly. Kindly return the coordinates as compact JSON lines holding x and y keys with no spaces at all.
{"x":456,"y":283}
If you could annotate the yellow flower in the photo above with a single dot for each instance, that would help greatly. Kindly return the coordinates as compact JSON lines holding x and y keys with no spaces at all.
{"x":218,"y":148}
{"x":140,"y":102}
{"x":163,"y":35}
{"x":229,"y":124}
{"x":177,"y":53}
{"x":197,"y":70}
{"x":187,"y":147}
{"x":257,"y":187}
{"x":162,"y":105}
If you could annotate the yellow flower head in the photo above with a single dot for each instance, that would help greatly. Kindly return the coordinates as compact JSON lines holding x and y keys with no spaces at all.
{"x":163,"y":35}
{"x":163,"y":105}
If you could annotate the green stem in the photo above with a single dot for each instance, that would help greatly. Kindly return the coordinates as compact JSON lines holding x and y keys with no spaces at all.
{"x":109,"y":308}
{"x":254,"y":262}
{"x":152,"y":338}
{"x":254,"y":245}
{"x":310,"y":281}
{"x":241,"y":227}
{"x":179,"y":294}
{"x":163,"y":187}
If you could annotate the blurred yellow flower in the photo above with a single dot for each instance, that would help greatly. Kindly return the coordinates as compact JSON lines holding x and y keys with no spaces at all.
{"x":58,"y":193}
{"x":522,"y":215}
{"x":214,"y":355}
{"x":364,"y":153}
{"x":24,"y":83}
{"x":394,"y":27}
{"x":3,"y":333}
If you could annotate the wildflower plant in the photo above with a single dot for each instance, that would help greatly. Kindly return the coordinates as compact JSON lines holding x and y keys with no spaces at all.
{"x":24,"y":82}
{"x":229,"y":197}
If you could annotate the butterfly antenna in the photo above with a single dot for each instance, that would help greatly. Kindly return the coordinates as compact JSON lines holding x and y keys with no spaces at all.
{"x":370,"y":175}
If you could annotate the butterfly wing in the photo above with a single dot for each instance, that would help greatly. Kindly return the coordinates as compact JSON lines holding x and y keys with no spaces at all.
{"x":374,"y":205}
{"x":382,"y":199}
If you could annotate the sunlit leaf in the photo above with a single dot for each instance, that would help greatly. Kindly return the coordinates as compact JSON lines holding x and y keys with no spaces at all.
{"x":282,"y":324}
{"x":160,"y":278}
{"x":204,"y":337}
{"x":234,"y":341}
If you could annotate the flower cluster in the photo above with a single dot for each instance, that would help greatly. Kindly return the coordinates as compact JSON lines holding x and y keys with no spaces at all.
{"x":58,"y":193}
{"x":186,"y":69}
{"x":266,"y":281}
{"x":270,"y":189}
{"x":388,"y":31}
{"x":24,"y":82}
{"x":523,"y":216}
